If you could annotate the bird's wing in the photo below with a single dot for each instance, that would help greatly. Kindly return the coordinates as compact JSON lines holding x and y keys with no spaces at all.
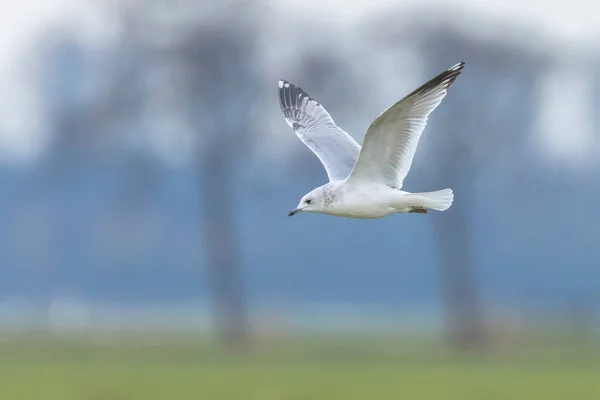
{"x":336,"y":149}
{"x":392,"y":138}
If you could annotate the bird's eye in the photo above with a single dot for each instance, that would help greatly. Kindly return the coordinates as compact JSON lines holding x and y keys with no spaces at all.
{"x":308,"y":201}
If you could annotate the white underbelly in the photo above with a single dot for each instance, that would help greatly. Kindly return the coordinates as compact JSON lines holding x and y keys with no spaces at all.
{"x":364,"y":210}
{"x":372,"y":201}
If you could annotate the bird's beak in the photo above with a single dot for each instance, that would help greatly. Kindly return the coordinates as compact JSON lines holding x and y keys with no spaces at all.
{"x":294,"y":212}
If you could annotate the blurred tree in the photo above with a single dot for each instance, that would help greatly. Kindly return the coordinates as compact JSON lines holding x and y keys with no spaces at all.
{"x":488,"y":118}
{"x":210,"y":64}
{"x":168,"y":63}
{"x":219,"y":92}
{"x":62,"y":80}
{"x":83,"y":127}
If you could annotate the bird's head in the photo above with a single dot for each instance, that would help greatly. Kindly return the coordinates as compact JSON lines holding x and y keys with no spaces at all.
{"x":316,"y":201}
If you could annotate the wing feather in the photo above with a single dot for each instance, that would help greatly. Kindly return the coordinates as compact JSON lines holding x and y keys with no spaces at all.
{"x":335,"y":148}
{"x":392,"y":138}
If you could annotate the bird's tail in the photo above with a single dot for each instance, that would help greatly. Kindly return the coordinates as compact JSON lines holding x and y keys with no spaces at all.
{"x":439,"y":200}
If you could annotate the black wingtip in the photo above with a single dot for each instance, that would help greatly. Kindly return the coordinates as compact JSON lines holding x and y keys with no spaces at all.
{"x":457,"y":67}
{"x":450,"y":75}
{"x":445,"y":78}
{"x":291,"y":95}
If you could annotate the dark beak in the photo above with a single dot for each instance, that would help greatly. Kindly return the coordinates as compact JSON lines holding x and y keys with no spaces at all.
{"x":294,"y":212}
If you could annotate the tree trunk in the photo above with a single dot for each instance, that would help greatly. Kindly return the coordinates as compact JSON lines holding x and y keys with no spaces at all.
{"x":223,"y":253}
{"x":458,"y":281}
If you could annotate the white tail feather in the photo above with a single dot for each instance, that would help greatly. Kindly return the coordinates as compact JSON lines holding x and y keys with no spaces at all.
{"x":439,"y":200}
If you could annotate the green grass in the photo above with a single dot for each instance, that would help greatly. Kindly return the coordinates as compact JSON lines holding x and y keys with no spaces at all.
{"x":313,"y":369}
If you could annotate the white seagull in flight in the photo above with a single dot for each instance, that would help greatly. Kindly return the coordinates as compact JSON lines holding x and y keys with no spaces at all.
{"x":365,"y":182}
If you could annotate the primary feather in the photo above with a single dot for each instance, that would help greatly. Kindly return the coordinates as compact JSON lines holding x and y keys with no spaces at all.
{"x":335,"y":148}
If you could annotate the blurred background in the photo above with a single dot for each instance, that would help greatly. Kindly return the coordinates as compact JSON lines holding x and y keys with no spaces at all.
{"x":146,"y":172}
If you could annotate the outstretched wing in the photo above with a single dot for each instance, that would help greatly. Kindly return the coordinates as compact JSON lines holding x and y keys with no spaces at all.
{"x":392,"y":138}
{"x":336,"y":149}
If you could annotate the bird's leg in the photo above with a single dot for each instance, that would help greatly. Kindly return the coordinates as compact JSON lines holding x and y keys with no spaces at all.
{"x":418,"y":210}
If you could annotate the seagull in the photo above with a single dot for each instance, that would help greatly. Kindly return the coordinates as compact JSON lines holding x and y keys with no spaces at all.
{"x":365,"y":182}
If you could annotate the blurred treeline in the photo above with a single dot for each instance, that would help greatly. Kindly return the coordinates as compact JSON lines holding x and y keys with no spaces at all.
{"x":168,"y":171}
